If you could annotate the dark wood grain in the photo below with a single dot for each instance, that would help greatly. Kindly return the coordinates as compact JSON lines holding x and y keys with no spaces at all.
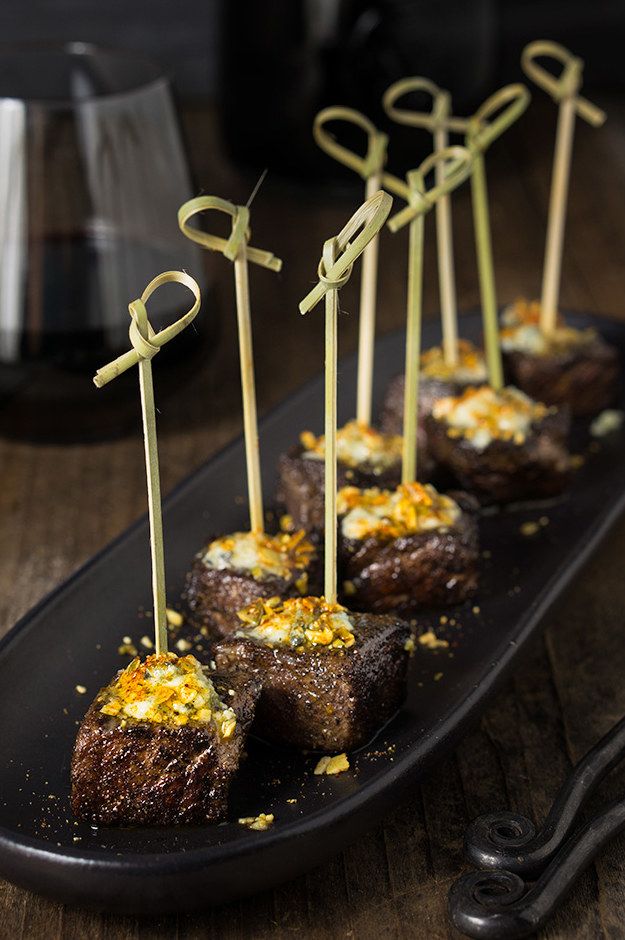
{"x":58,"y":505}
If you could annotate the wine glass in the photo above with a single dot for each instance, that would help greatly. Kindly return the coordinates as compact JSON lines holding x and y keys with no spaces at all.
{"x":92,"y":172}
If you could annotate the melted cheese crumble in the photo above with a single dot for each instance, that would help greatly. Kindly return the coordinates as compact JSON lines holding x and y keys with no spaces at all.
{"x":357,"y":445}
{"x":390,"y":514}
{"x":167,"y":689}
{"x":470,"y":368}
{"x":521,"y":332}
{"x":263,"y":555}
{"x":482,"y":415}
{"x":300,"y":622}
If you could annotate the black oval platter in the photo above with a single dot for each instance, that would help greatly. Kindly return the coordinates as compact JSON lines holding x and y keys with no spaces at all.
{"x":71,"y":638}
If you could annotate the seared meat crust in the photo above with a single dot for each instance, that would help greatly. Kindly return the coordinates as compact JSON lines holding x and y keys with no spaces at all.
{"x":586,"y":379}
{"x":325,"y":699}
{"x":149,"y":774}
{"x":505,"y":471}
{"x":432,"y":568}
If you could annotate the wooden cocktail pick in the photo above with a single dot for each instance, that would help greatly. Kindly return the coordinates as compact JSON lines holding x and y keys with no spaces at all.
{"x":455,"y":163}
{"x":439,"y":122}
{"x":335,"y":268}
{"x":236,"y":249}
{"x":370,"y":169}
{"x":145,"y":345}
{"x":482,"y":129}
{"x":564,"y":91}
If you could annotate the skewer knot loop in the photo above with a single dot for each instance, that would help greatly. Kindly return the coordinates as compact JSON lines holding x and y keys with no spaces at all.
{"x":339,"y":253}
{"x":239,"y":236}
{"x":567,"y":84}
{"x":377,"y":142}
{"x":145,"y":342}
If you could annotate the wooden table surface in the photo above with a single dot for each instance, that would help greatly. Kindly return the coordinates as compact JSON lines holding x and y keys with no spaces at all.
{"x":58,"y":505}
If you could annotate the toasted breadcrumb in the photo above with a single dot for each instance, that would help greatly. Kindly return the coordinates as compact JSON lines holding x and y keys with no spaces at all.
{"x":332,"y":765}
{"x":431,"y":641}
{"x":259,"y":823}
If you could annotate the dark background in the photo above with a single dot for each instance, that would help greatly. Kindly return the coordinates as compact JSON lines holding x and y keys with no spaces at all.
{"x":272,"y":65}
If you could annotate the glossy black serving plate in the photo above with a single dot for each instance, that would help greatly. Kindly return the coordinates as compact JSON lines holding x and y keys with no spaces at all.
{"x":72,"y":639}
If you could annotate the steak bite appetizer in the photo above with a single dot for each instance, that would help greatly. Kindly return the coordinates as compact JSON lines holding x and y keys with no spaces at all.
{"x":437,"y":380}
{"x":330,"y":678}
{"x":406,"y":548}
{"x":501,"y":445}
{"x":366,"y":457}
{"x":161,"y":744}
{"x":567,"y":366}
{"x":233,"y":571}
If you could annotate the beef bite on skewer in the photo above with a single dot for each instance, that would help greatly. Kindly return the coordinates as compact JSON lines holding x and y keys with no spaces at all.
{"x":235,"y":570}
{"x":410,"y":546}
{"x":330,"y":677}
{"x":406,"y":548}
{"x":438,"y":379}
{"x":161,"y":744}
{"x":566,"y":366}
{"x":365,"y":457}
{"x":501,"y":445}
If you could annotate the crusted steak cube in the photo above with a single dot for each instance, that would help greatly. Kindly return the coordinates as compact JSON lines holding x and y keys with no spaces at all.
{"x":501,"y":445}
{"x":571,"y":367}
{"x":234,"y":571}
{"x":585,"y":380}
{"x":437,"y":380}
{"x":365,"y":457}
{"x":408,"y":548}
{"x":150,"y":752}
{"x":331,"y":678}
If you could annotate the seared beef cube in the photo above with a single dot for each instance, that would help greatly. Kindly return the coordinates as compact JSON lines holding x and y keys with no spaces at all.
{"x":584,"y":378}
{"x":301,"y":487}
{"x":332,"y":694}
{"x":388,"y":571}
{"x":493,"y":460}
{"x":569,"y":366}
{"x":215,"y":592}
{"x":133,"y":772}
{"x":437,"y":380}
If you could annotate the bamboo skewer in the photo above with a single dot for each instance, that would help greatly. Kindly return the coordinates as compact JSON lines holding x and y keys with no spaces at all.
{"x":237,"y":250}
{"x":564,"y":91}
{"x":335,"y":268}
{"x":370,"y":169}
{"x":455,"y":165}
{"x":145,"y":345}
{"x":438,"y":122}
{"x":481,"y":133}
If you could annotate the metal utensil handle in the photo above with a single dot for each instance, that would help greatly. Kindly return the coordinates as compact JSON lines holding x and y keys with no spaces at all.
{"x":511,"y":841}
{"x":496,"y":905}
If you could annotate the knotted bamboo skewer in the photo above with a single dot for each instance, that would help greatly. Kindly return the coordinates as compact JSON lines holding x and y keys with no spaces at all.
{"x":456,"y":167}
{"x":145,"y":345}
{"x":236,"y":249}
{"x":481,"y":132}
{"x":370,"y":169}
{"x":335,"y":268}
{"x":564,"y":91}
{"x":439,"y":122}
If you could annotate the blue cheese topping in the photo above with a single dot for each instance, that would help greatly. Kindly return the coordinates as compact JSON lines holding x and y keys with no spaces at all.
{"x":299,"y":622}
{"x":281,"y":555}
{"x":470,"y":368}
{"x":357,"y":445}
{"x":390,"y":514}
{"x":483,"y":415}
{"x":168,"y":689}
{"x":521,"y":332}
